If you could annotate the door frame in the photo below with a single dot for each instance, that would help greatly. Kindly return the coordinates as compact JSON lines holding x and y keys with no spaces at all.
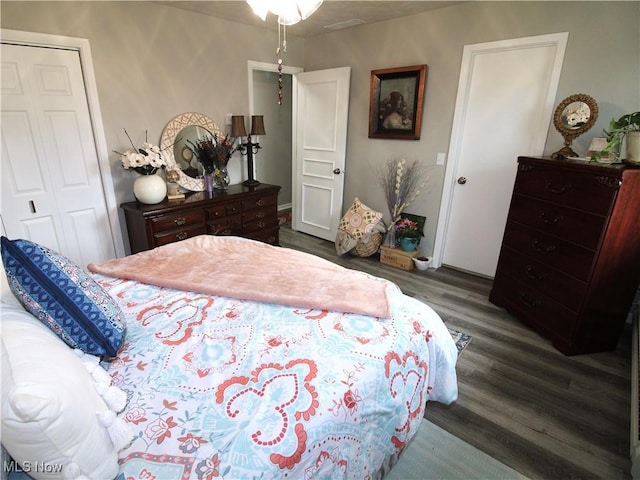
{"x":464,"y":85}
{"x":81,"y":45}
{"x":272,"y":67}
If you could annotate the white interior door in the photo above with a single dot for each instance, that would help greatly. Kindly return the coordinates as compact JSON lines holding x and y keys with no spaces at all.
{"x":52,"y":189}
{"x":505,"y":101}
{"x":321,"y":115}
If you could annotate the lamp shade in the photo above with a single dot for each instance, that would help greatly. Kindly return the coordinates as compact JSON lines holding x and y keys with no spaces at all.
{"x":257,"y":125}
{"x":237,"y":126}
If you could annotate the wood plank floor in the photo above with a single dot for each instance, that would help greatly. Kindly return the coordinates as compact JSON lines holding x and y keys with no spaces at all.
{"x":546,"y":415}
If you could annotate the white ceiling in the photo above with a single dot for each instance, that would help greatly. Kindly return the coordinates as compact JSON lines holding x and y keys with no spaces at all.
{"x":331,"y":12}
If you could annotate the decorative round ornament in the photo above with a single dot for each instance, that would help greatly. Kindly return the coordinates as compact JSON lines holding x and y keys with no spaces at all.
{"x":149,"y":189}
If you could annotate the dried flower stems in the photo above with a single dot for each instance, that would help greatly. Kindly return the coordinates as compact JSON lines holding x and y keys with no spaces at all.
{"x":401,"y":183}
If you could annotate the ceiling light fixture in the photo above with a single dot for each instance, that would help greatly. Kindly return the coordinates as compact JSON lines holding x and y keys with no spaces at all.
{"x":289,"y":12}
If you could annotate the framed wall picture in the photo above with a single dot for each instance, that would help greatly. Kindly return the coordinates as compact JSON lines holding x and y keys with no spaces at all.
{"x":396,"y":102}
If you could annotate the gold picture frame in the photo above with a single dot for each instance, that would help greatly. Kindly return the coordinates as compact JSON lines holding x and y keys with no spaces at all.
{"x":396,"y":102}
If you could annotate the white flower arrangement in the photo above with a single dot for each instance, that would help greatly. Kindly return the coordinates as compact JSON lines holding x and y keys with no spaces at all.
{"x":577,"y":117}
{"x":146,"y":159}
{"x":402,"y":183}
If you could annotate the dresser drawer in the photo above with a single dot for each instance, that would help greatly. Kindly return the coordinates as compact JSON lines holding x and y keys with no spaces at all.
{"x":182,"y":220}
{"x":259,"y":201}
{"x":164,"y":238}
{"x":224,"y":210}
{"x":551,"y":318}
{"x":268,"y":215}
{"x":270,"y":235}
{"x":593,"y":193}
{"x":218,"y":211}
{"x":566,"y":223}
{"x":231,"y":225}
{"x":573,"y":260}
{"x":540,"y":276}
{"x":260,"y":224}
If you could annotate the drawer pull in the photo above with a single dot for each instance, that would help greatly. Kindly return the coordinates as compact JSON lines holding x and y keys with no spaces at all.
{"x":528,"y":301}
{"x":260,"y":225}
{"x":531,"y":273}
{"x":612,"y":183}
{"x":561,"y":190}
{"x":260,"y":214}
{"x":260,"y":203}
{"x":180,"y":221}
{"x":550,"y":221}
{"x":182,"y":235}
{"x":539,"y":248}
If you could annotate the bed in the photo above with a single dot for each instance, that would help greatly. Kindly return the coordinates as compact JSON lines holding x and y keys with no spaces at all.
{"x":243,"y":360}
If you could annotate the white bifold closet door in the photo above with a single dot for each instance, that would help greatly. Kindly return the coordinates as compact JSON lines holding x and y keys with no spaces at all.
{"x":52,"y":192}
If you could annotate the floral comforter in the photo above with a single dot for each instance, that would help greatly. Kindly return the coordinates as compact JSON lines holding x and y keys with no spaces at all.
{"x":225,"y":388}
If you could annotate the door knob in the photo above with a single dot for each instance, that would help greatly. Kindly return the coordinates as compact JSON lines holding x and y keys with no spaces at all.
{"x":462,"y":180}
{"x":336,"y":171}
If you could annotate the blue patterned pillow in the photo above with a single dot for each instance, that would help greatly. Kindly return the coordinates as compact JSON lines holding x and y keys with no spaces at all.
{"x":63,"y":297}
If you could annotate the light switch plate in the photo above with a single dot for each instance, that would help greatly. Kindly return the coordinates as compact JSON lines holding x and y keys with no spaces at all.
{"x":440,"y":158}
{"x":228,"y":119}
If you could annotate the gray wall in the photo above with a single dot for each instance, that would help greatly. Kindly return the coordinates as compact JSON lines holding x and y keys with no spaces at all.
{"x":153,"y":62}
{"x":273,"y":162}
{"x":602,"y":59}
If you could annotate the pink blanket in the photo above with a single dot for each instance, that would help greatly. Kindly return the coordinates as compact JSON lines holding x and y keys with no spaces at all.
{"x":249,"y":270}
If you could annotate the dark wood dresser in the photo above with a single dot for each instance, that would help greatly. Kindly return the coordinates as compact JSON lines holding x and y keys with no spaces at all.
{"x":250,"y":212}
{"x":570,"y":260}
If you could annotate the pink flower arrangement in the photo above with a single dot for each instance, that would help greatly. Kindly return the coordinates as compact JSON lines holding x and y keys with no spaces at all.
{"x":406,"y":228}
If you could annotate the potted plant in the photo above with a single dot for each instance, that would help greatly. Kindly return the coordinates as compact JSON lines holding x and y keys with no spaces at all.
{"x":408,"y":233}
{"x":402,"y":183}
{"x":422,"y":262}
{"x":627,"y":126}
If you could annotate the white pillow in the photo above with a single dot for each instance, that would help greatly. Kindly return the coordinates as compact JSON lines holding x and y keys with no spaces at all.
{"x":52,"y":413}
{"x":6,"y":295}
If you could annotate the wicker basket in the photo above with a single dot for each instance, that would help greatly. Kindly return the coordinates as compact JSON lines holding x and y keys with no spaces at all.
{"x":368,"y":245}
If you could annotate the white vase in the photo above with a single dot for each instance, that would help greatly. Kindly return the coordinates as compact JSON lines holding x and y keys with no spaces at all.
{"x":633,"y":148}
{"x":150,"y":189}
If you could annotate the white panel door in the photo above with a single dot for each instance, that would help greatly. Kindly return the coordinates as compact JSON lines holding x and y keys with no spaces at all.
{"x":51,"y":185}
{"x":503,"y":110}
{"x":321,"y":143}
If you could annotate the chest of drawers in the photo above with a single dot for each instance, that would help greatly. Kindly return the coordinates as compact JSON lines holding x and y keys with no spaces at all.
{"x":250,"y":212}
{"x":569,"y":264}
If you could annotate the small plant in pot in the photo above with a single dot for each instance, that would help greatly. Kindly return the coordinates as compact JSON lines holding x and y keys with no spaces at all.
{"x":409,"y":233}
{"x":422,"y":263}
{"x":627,"y":126}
